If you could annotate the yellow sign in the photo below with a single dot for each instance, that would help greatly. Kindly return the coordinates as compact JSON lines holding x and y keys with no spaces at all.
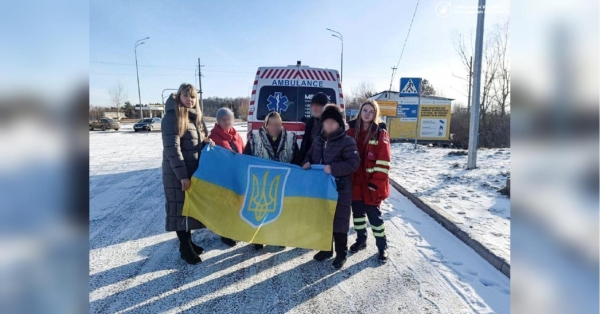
{"x":434,"y":122}
{"x":387,"y":108}
{"x":399,"y":129}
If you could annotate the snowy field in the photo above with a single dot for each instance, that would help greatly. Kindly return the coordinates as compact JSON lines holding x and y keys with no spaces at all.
{"x":470,"y":196}
{"x":135,"y":265}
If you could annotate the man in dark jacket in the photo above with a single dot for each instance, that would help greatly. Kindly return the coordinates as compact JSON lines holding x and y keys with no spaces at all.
{"x":339,"y":153}
{"x":314,"y":124}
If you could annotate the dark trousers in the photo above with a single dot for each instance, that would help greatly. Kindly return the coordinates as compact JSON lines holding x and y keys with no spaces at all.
{"x":360,"y":213}
{"x":339,"y":243}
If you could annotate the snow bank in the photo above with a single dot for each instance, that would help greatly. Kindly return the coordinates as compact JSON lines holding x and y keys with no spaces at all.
{"x":470,"y":196}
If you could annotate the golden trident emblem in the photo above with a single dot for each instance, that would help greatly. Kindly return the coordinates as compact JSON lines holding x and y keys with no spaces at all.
{"x":262,"y":203}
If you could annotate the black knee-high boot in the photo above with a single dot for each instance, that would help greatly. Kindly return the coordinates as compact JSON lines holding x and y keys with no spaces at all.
{"x":341,"y":249}
{"x":185,"y":248}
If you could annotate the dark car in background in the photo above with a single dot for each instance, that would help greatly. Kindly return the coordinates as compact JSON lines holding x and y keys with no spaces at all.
{"x":148,"y":124}
{"x":105,"y":124}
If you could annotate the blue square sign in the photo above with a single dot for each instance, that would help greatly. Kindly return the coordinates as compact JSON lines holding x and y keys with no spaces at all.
{"x":410,"y":86}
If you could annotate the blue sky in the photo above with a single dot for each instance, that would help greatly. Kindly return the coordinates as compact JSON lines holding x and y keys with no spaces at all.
{"x":234,"y":38}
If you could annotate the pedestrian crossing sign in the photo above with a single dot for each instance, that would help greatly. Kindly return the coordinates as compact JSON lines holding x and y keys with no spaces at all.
{"x":410,"y":86}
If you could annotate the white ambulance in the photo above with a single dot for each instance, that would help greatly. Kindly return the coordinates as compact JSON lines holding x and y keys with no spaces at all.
{"x":289,"y":90}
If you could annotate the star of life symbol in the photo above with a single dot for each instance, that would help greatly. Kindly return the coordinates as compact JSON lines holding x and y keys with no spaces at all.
{"x":263,"y":200}
{"x":409,"y":88}
{"x":277,"y":102}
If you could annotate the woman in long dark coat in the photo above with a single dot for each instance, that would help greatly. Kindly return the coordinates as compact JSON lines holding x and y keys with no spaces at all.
{"x":183,"y":135}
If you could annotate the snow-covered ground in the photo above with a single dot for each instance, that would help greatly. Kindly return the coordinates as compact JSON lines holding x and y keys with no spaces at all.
{"x":470,"y":196}
{"x":135,"y":265}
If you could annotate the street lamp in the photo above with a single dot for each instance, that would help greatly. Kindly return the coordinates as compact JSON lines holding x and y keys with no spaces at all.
{"x":340,"y":37}
{"x":137,"y":43}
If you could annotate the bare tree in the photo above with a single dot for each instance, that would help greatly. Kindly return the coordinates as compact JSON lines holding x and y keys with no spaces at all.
{"x":117,"y":95}
{"x":359,"y":95}
{"x":502,"y":84}
{"x":495,"y":82}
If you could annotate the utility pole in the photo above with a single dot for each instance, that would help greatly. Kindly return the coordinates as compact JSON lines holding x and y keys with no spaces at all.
{"x":474,"y":123}
{"x":470,"y":77}
{"x":200,"y":85}
{"x":137,"y":43}
{"x":392,"y":79}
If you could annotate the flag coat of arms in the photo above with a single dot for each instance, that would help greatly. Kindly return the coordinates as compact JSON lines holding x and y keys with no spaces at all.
{"x":262,"y":201}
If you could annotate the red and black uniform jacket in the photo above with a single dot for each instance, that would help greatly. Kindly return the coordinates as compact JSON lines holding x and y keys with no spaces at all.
{"x":375,"y":155}
{"x":231,"y":140}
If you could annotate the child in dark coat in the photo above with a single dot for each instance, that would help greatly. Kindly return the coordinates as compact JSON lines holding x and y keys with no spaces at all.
{"x":339,"y":153}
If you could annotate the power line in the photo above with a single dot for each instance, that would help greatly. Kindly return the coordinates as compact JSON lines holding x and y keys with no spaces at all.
{"x":405,"y":40}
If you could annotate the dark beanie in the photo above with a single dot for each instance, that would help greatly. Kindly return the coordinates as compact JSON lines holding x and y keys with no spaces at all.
{"x":334,"y":112}
{"x":320,"y":99}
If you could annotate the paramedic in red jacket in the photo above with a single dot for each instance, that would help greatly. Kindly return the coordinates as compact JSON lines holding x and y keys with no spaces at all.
{"x":225,"y":135}
{"x":370,"y":184}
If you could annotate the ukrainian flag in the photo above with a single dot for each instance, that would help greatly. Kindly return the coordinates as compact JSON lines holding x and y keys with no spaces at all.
{"x":262,"y":201}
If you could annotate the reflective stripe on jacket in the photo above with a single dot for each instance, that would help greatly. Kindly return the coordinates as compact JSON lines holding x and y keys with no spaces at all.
{"x":375,"y":153}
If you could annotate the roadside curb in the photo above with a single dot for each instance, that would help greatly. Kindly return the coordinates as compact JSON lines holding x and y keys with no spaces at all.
{"x":446,"y":220}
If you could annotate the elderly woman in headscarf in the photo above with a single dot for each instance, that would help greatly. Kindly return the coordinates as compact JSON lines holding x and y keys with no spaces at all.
{"x":273,"y":142}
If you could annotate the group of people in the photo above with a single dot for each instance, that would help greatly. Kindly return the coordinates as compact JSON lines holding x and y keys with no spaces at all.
{"x":358,"y":158}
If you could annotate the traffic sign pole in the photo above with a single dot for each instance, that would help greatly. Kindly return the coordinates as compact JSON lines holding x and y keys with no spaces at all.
{"x":411,"y":87}
{"x":418,"y":115}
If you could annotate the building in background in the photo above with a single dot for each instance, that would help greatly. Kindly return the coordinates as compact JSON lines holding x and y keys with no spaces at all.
{"x":113,"y":115}
{"x":432,"y":120}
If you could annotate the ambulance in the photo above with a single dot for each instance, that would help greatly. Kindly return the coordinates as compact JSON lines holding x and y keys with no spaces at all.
{"x":289,"y":90}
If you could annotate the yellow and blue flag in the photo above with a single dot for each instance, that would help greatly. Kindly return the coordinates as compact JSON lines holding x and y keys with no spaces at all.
{"x":262,"y":201}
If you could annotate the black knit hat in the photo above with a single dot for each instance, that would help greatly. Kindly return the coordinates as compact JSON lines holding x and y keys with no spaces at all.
{"x":319,"y":99}
{"x":334,"y":112}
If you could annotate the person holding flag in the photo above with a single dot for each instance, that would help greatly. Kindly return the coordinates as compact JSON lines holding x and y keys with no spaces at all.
{"x":371,"y":182}
{"x":225,"y":135}
{"x":183,"y":136}
{"x":338,"y":152}
{"x":273,"y":142}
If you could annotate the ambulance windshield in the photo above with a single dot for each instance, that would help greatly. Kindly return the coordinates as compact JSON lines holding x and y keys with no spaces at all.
{"x":291,"y":102}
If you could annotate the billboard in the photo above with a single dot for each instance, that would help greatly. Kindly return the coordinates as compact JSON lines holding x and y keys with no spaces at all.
{"x":434,"y":122}
{"x":407,"y":113}
{"x":387,"y":108}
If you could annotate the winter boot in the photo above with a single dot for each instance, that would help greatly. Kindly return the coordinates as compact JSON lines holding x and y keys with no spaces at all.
{"x":228,"y":241}
{"x":383,"y":256}
{"x":323,"y":255}
{"x":198,"y":249}
{"x":358,"y":246}
{"x":185,"y":248}
{"x":341,"y":249}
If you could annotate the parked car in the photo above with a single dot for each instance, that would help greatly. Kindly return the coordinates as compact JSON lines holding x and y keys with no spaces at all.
{"x":105,"y":124}
{"x":148,"y":124}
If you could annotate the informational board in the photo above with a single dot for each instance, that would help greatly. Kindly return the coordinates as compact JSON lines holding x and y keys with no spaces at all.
{"x":387,"y":108}
{"x":401,"y":130}
{"x":434,"y":122}
{"x":407,"y":113}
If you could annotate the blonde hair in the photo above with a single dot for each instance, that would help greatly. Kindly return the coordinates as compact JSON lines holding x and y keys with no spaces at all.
{"x":272,"y":114}
{"x":182,"y":112}
{"x":359,"y":121}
